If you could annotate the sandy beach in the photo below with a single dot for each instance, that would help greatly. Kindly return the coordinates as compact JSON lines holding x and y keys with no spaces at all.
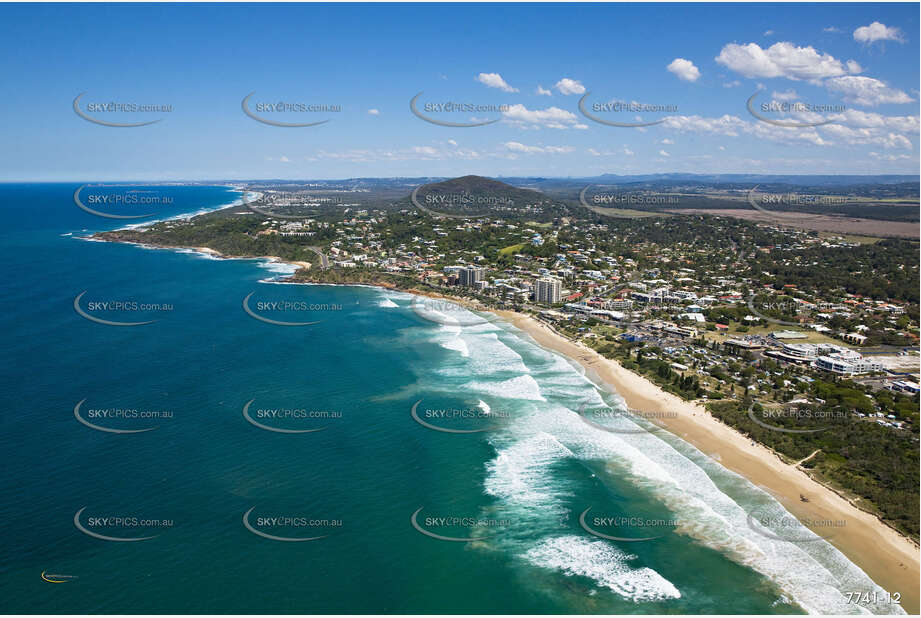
{"x":890,"y":559}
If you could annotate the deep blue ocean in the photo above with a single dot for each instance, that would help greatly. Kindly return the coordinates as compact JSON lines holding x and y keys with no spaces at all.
{"x":186,"y":468}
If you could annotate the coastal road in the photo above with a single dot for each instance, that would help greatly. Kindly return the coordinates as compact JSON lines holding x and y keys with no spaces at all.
{"x":324,"y":261}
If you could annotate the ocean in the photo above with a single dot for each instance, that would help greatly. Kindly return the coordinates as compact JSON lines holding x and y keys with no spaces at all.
{"x":211,"y":460}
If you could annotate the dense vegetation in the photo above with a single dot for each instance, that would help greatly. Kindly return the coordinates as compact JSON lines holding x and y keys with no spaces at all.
{"x":872,"y":463}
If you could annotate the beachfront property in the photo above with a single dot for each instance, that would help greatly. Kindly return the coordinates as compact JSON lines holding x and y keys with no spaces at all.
{"x":548,"y":290}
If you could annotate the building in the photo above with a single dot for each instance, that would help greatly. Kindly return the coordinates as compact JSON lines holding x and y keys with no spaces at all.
{"x":847,"y":364}
{"x":619,"y":304}
{"x":904,"y":386}
{"x":854,"y":338}
{"x":470,"y":275}
{"x":805,"y":351}
{"x":548,"y":290}
{"x":787,"y":334}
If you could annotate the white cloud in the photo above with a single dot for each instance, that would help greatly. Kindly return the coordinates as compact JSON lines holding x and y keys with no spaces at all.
{"x":724,"y":125}
{"x":889,"y":157}
{"x":543,"y":91}
{"x":522,"y":148}
{"x":789,"y":95}
{"x":853,"y":67}
{"x":494,"y":80}
{"x":866,"y":136}
{"x":780,"y":60}
{"x":284,"y":159}
{"x":570,"y":86}
{"x":768,"y":32}
{"x":374,"y":112}
{"x":414,"y":153}
{"x":667,"y":141}
{"x":866,"y":90}
{"x":732,"y":84}
{"x":831,"y":29}
{"x":872,"y":120}
{"x":552,"y":117}
{"x":684,"y":70}
{"x":852,"y":128}
{"x":452,"y":142}
{"x":664,"y":154}
{"x":733,"y":126}
{"x":611,"y":153}
{"x":722,"y":148}
{"x":877,"y":32}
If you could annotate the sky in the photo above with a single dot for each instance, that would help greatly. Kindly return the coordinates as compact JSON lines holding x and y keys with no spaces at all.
{"x":698,"y":63}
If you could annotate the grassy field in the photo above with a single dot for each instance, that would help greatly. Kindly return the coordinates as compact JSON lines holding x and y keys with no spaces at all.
{"x":811,"y":335}
{"x":863,"y":240}
{"x":627,"y":213}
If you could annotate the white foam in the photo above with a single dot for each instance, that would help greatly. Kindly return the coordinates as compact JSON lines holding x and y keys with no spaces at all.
{"x":524,"y":387}
{"x":457,"y":344}
{"x":251,"y":196}
{"x":277,"y":266}
{"x":605,"y":565}
{"x":518,"y":474}
{"x":387,"y":303}
{"x":815,"y":574}
{"x":205,"y":255}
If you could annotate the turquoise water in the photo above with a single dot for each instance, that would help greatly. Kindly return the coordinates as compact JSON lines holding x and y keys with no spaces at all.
{"x":356,"y":482}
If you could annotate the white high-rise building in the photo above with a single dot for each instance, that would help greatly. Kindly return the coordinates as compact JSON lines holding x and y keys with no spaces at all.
{"x":548,"y":290}
{"x":470,"y":275}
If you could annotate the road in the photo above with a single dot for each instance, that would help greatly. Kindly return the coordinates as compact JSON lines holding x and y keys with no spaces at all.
{"x":324,"y":261}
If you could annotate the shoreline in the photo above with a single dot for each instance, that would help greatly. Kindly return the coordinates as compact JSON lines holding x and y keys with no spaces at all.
{"x":890,"y":559}
{"x":886,"y":556}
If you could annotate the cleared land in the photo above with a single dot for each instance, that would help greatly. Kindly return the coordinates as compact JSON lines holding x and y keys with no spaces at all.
{"x":819,"y":223}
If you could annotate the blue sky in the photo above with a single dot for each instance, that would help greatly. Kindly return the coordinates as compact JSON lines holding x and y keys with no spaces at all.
{"x":703,"y":59}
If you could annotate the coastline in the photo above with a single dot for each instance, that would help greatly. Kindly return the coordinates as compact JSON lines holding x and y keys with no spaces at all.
{"x":888,"y":558}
